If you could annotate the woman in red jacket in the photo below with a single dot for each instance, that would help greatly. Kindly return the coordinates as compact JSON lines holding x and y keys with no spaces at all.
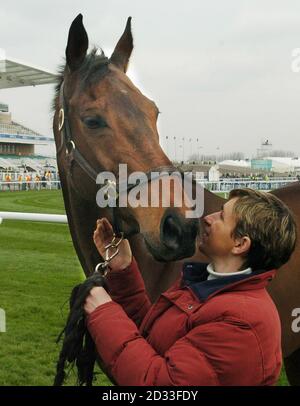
{"x":217,"y":325}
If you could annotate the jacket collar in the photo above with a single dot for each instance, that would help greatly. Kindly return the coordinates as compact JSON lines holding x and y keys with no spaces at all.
{"x":195,"y":277}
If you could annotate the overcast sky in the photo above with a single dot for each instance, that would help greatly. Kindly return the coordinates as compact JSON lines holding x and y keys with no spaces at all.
{"x":219,"y":71}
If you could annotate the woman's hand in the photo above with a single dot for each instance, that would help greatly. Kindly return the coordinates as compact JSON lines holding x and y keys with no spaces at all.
{"x":103,"y":236}
{"x":97,"y":297}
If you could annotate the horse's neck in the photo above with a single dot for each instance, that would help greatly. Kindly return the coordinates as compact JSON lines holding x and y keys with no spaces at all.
{"x":289,"y":195}
{"x":82,"y":217}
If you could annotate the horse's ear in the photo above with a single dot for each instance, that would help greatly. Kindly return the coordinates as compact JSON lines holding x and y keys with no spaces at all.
{"x":120,"y":56}
{"x":78,"y":44}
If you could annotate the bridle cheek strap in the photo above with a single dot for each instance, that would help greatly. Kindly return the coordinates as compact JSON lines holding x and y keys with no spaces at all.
{"x":73,"y":155}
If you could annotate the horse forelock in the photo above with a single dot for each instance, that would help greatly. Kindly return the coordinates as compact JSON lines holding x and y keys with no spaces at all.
{"x":93,"y":69}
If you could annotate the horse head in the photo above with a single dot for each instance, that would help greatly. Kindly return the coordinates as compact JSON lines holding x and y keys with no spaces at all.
{"x":101,"y":120}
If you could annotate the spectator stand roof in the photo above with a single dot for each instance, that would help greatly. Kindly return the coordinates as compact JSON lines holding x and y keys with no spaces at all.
{"x":16,"y":74}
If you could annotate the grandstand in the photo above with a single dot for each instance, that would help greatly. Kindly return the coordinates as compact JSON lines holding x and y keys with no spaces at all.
{"x":18,"y":74}
{"x":17,"y":146}
{"x":17,"y":142}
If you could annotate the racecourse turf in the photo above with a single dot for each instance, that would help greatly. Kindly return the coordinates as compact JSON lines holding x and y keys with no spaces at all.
{"x":38,"y":268}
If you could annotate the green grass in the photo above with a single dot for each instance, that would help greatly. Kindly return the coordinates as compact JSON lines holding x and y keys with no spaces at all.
{"x":43,"y":201}
{"x":223,"y":194}
{"x":38,"y":268}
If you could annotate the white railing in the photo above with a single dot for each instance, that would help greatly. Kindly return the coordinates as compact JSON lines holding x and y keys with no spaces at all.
{"x":225,"y":185}
{"x":30,"y":185}
{"x":16,"y":176}
{"x":49,"y":218}
{"x":217,"y":187}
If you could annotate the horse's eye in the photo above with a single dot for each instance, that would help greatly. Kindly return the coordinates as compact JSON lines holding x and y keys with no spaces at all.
{"x":94,"y":122}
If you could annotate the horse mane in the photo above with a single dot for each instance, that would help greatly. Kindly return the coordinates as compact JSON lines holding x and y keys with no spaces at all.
{"x":93,"y":68}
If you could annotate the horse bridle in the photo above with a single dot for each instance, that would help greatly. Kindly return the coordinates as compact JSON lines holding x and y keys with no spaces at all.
{"x":73,"y":155}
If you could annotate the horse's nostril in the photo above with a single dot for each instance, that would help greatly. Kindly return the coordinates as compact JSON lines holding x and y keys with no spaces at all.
{"x":171,"y":232}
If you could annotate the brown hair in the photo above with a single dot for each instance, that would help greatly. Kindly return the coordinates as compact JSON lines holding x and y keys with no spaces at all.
{"x":269,"y":224}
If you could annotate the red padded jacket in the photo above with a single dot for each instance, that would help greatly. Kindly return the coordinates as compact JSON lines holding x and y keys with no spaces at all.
{"x":199,"y":332}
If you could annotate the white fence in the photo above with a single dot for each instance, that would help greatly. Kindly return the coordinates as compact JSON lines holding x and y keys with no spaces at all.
{"x":49,"y":218}
{"x":224,"y":185}
{"x":29,"y":185}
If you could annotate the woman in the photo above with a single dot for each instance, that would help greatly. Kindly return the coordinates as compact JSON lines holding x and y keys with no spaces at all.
{"x":217,"y":325}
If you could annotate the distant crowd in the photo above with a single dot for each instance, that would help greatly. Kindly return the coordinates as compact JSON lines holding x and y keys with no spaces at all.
{"x":31,"y":181}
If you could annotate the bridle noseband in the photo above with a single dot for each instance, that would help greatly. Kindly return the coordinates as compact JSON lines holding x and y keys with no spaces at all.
{"x":73,"y":155}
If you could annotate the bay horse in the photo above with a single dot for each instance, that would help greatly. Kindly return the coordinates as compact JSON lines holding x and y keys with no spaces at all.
{"x":100,"y":120}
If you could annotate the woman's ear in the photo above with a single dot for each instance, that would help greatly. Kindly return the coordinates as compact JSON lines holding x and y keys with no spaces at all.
{"x":241,"y":245}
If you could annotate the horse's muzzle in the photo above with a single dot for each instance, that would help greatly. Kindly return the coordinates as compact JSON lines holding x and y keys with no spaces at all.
{"x":177,"y":237}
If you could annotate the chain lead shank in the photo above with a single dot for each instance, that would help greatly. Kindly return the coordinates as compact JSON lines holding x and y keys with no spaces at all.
{"x":103,"y":267}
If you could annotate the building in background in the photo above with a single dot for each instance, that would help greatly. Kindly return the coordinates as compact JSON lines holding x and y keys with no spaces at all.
{"x":277,"y":164}
{"x":15,"y":139}
{"x":265,"y":149}
{"x":261,"y":164}
{"x":17,"y":142}
{"x":214,"y":174}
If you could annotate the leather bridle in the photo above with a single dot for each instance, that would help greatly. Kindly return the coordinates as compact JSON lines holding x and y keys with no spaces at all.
{"x":73,"y":155}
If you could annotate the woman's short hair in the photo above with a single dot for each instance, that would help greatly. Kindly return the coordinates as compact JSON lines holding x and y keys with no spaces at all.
{"x":269,"y":224}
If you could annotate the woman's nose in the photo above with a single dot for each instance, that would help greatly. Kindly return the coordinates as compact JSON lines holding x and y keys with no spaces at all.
{"x":209,"y":219}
